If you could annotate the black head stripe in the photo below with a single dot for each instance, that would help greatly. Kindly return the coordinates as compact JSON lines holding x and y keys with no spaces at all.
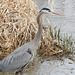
{"x":45,"y":9}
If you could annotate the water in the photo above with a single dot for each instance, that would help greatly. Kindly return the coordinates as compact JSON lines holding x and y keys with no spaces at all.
{"x":65,"y":7}
{"x":55,"y":67}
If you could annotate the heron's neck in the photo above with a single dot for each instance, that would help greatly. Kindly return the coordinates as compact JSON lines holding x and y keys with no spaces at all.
{"x":38,"y":35}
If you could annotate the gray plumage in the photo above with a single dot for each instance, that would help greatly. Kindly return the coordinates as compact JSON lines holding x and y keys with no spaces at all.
{"x":22,"y":56}
{"x":16,"y":60}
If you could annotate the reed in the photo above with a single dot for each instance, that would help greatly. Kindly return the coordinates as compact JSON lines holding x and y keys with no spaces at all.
{"x":66,"y":41}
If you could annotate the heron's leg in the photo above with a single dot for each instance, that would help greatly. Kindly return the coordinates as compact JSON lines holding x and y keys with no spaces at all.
{"x":16,"y":73}
{"x":21,"y":72}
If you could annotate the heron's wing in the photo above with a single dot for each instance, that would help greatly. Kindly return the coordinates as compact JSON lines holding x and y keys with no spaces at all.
{"x":17,"y":59}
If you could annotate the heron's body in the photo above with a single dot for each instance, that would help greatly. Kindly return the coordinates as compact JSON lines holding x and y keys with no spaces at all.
{"x":22,"y":56}
{"x":19,"y":59}
{"x":16,"y":60}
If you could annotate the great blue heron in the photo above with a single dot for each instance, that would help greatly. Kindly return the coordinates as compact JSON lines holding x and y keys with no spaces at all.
{"x":21,"y":57}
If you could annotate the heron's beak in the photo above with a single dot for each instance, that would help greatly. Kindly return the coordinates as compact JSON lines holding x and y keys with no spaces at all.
{"x":57,"y":14}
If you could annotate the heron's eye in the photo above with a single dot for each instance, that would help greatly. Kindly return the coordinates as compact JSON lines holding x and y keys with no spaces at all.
{"x":49,"y":11}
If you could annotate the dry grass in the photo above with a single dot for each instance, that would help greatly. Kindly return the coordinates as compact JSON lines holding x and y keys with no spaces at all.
{"x":18,"y":25}
{"x":47,"y":47}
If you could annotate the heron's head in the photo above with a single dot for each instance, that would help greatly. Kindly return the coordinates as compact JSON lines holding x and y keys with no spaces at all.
{"x":48,"y":11}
